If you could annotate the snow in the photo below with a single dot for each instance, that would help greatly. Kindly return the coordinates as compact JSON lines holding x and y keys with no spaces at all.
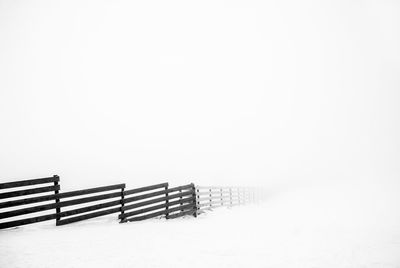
{"x":301,"y":97}
{"x":341,"y":224}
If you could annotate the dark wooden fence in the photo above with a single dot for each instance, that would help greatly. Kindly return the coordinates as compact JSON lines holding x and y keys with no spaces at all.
{"x":81,"y":197}
{"x":68,"y":207}
{"x":51,"y":185}
{"x":132,"y":205}
{"x":78,"y":198}
{"x":149,"y":202}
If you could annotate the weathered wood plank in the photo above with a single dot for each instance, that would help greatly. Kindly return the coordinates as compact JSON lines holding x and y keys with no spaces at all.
{"x":88,"y":216}
{"x":215,"y":195}
{"x":27,"y":221}
{"x":212,"y":192}
{"x":155,"y":200}
{"x":213,"y":187}
{"x":159,"y":213}
{"x":14,"y":184}
{"x":91,"y":190}
{"x":72,"y":212}
{"x":180,"y":194}
{"x":144,"y":203}
{"x":29,"y":191}
{"x":143,"y":196}
{"x":215,"y":204}
{"x":78,"y":201}
{"x":160,"y":206}
{"x":224,"y":198}
{"x":89,"y":208}
{"x":27,"y":201}
{"x":88,"y":199}
{"x":38,"y":199}
{"x":154,"y":194}
{"x":143,"y":210}
{"x":147,"y":216}
{"x":179,"y":188}
{"x":217,"y":200}
{"x":147,"y":188}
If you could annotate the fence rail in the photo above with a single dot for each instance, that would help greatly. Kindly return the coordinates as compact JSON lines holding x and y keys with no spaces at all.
{"x":136,"y":204}
{"x":209,"y":197}
{"x":113,"y":206}
{"x":158,"y":203}
{"x":26,"y":201}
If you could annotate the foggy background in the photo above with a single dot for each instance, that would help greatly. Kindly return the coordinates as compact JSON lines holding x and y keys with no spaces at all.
{"x":211,"y":92}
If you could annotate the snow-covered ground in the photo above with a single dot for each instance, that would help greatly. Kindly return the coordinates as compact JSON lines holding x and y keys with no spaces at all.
{"x":213,"y":92}
{"x":342,"y":224}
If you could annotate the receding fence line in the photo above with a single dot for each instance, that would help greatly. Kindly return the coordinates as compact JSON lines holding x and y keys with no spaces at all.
{"x":209,"y":197}
{"x":148,"y":205}
{"x":59,"y":203}
{"x":132,"y":205}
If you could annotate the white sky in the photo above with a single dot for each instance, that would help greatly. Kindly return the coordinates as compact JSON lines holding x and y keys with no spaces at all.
{"x":214,"y":92}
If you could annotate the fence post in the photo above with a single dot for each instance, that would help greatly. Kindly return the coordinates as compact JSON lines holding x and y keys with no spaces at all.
{"x":195,"y":200}
{"x":230,"y":195}
{"x":180,"y":199}
{"x":238,"y":193}
{"x":58,"y":210}
{"x":222,"y":200}
{"x":210,"y":198}
{"x":122,"y":204}
{"x":166,"y":201}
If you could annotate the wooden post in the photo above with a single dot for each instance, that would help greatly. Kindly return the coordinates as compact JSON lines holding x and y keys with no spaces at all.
{"x":210,"y":198}
{"x":222,"y":200}
{"x":238,"y":192}
{"x":58,"y":210}
{"x":166,"y":202}
{"x":180,"y":198}
{"x":195,"y":200}
{"x":122,"y":204}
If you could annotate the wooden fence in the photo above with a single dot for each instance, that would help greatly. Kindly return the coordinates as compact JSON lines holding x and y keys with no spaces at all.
{"x":132,"y":205}
{"x":55,"y":202}
{"x":149,"y":202}
{"x":103,"y":208}
{"x":51,"y":185}
{"x":209,"y":197}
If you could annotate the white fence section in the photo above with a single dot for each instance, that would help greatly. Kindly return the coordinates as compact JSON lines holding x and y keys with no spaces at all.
{"x":208,"y":197}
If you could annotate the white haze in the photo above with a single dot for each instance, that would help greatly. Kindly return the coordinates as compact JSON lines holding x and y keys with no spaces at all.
{"x":214,"y":92}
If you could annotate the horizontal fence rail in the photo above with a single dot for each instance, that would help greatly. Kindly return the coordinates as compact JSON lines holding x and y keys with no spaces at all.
{"x":114,"y":206}
{"x":51,"y":204}
{"x":149,"y":202}
{"x":36,"y":200}
{"x":208,"y":197}
{"x":35,"y":187}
